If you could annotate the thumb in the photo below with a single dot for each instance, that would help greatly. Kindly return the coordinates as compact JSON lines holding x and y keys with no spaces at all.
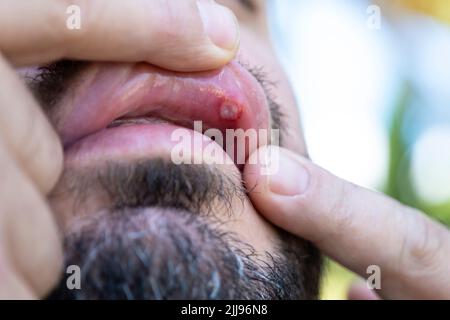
{"x":357,"y":227}
{"x":188,"y":35}
{"x":360,"y":291}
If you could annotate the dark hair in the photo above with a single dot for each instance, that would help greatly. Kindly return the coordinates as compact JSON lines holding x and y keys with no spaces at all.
{"x":159,"y":241}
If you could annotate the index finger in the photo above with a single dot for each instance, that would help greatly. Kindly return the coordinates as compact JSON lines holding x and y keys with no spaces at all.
{"x":189,"y":35}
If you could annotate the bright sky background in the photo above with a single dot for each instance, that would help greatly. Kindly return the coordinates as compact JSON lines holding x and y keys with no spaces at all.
{"x":347,"y":77}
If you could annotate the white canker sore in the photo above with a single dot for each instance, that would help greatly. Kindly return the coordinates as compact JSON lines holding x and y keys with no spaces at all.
{"x":230,"y":111}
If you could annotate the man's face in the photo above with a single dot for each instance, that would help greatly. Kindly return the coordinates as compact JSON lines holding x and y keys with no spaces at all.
{"x":140,"y":225}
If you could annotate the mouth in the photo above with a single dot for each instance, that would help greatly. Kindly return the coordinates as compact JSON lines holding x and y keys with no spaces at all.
{"x":133,"y":110}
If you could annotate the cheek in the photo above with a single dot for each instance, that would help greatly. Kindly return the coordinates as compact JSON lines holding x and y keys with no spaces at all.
{"x":256,"y":51}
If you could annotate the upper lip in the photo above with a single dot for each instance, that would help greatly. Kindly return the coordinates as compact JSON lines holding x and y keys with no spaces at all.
{"x":228,"y":98}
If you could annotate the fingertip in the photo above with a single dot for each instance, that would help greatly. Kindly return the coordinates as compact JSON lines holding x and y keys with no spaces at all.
{"x":51,"y":162}
{"x":284,"y":172}
{"x":204,"y":57}
{"x":272,"y":199}
{"x":220,"y":25}
{"x":256,"y":181}
{"x":279,"y":183}
{"x":196,"y":36}
{"x":359,"y":291}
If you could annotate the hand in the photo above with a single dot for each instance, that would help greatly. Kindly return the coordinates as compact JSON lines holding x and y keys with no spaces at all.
{"x":354,"y":226}
{"x":168,"y":33}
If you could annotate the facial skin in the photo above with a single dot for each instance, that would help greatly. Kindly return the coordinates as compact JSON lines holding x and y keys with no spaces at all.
{"x":140,"y":226}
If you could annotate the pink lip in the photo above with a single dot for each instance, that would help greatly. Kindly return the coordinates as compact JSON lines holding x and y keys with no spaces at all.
{"x":229,"y":98}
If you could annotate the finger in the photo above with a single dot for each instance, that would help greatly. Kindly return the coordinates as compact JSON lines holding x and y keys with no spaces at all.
{"x":360,"y":291}
{"x":27,"y":133}
{"x":29,"y":237}
{"x":184,"y":35}
{"x":12,"y":287}
{"x":354,"y":226}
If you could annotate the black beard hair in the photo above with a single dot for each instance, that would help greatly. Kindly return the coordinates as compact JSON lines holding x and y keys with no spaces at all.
{"x":161,"y":239}
{"x":160,"y":183}
{"x":153,"y":183}
{"x":164,"y":254}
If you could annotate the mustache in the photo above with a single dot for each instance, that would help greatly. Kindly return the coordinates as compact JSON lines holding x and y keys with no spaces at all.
{"x":202,"y":188}
{"x":52,"y":81}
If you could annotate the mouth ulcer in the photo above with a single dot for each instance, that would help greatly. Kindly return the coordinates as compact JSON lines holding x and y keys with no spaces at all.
{"x":230,"y":111}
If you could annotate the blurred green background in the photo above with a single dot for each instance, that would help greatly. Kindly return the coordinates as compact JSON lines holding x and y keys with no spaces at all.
{"x":375,"y":98}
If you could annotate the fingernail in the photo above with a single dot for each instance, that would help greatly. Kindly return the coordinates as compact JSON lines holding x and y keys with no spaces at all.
{"x":291,"y":178}
{"x":220,"y":24}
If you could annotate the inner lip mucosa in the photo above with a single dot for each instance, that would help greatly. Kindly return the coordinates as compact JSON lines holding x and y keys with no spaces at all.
{"x":156,"y":119}
{"x":135,"y":121}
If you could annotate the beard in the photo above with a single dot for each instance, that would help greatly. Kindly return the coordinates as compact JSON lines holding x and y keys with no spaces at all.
{"x":161,"y":239}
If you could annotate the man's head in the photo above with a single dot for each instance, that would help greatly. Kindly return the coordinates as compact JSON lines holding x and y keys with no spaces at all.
{"x":141,"y":225}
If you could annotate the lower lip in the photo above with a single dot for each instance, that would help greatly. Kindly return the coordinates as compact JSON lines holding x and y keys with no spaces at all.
{"x":145,"y":141}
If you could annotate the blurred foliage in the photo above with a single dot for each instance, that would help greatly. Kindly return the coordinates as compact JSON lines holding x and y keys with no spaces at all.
{"x":336,"y":281}
{"x":399,"y":184}
{"x":439,"y":9}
